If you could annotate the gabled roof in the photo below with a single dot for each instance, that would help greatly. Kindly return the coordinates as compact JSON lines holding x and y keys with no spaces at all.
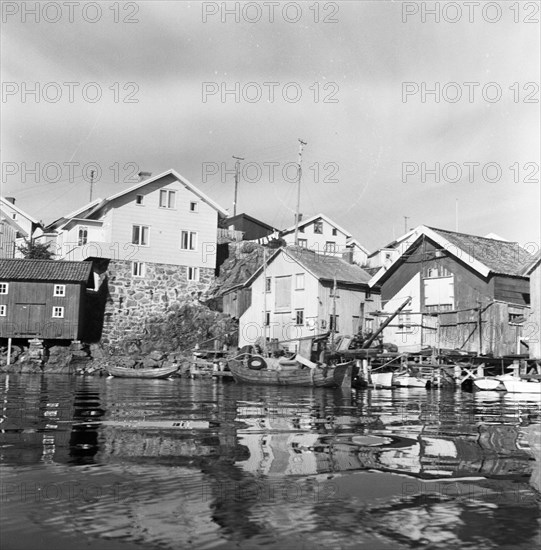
{"x":45,"y":270}
{"x":97,"y":204}
{"x":352,"y":241}
{"x":535,"y":263}
{"x":233,"y":219}
{"x":18,"y":210}
{"x":323,"y":267}
{"x":312,"y":219}
{"x":14,"y":224}
{"x":482,"y":254}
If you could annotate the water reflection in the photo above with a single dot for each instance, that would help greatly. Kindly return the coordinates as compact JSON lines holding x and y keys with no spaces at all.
{"x":199,"y":464}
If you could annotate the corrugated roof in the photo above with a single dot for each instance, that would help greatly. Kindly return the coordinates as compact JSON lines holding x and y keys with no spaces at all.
{"x":45,"y":270}
{"x":502,"y":257}
{"x":327,"y":268}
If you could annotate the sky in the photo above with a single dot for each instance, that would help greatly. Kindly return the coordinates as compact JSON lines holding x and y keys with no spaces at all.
{"x":151,"y":85}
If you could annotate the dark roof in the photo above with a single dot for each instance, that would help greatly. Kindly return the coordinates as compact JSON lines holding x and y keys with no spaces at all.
{"x":371,"y":270}
{"x":327,"y":268}
{"x":45,"y":270}
{"x":233,"y":219}
{"x":501,"y":257}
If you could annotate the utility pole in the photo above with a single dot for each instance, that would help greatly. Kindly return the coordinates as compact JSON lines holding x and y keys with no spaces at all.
{"x":406,"y":218}
{"x":92,"y":173}
{"x":237,"y":175}
{"x":334,"y":296}
{"x":301,"y":146}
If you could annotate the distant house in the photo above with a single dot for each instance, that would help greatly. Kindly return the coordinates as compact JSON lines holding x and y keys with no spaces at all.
{"x":43,"y":298}
{"x":251,"y":228}
{"x":15,"y":226}
{"x":292,"y":297}
{"x":156,"y":242}
{"x":532,"y":327}
{"x":467,"y":292}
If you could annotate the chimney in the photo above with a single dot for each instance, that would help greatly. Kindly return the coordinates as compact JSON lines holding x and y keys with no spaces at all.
{"x":11,"y":200}
{"x":347,"y":254}
{"x":144,"y":175}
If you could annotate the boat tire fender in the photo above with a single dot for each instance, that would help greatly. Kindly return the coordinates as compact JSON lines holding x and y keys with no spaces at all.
{"x":257,"y":363}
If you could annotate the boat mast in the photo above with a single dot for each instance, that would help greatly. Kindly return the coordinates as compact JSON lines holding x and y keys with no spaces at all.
{"x":297,"y":214}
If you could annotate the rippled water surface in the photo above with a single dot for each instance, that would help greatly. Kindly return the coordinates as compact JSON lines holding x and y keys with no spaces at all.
{"x":114,"y":464}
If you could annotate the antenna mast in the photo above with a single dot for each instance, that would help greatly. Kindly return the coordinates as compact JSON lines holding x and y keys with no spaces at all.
{"x":301,"y":146}
{"x":92,"y":173}
{"x":237,"y":174}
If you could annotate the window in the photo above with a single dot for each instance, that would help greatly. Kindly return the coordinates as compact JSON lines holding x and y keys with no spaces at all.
{"x":436,"y":308}
{"x":283,"y":293}
{"x":268,"y":284}
{"x":194,"y":207}
{"x":404,"y":321}
{"x":330,"y":246}
{"x":193,"y":274}
{"x":188,"y":240}
{"x":59,"y":290}
{"x":58,"y":312}
{"x":139,"y":200}
{"x":368,"y":295}
{"x":299,"y":316}
{"x":301,"y":229}
{"x":167,"y":198}
{"x":299,"y":281}
{"x":4,"y":287}
{"x":3,"y":310}
{"x":13,"y":216}
{"x":333,"y":323}
{"x":138,"y":269}
{"x":82,"y":236}
{"x":303,"y":243}
{"x":334,"y":231}
{"x":318,"y":227}
{"x":140,"y":235}
{"x":266,"y":318}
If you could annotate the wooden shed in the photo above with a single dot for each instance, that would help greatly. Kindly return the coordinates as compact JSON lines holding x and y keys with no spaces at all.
{"x":43,"y":298}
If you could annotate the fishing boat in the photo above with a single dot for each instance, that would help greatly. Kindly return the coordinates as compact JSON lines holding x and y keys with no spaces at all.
{"x":271,"y":371}
{"x":128,"y":372}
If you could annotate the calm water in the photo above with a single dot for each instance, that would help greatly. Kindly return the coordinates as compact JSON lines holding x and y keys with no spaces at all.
{"x":115,"y":464}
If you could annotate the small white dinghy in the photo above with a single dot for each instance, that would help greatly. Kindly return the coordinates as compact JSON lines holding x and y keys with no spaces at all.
{"x":382,"y":379}
{"x":410,"y":381}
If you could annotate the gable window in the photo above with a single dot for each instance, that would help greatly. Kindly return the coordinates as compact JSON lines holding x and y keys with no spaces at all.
{"x":82,"y":236}
{"x":299,"y":316}
{"x":167,"y":198}
{"x":330,"y":246}
{"x":334,"y":231}
{"x":58,"y":312}
{"x":59,"y":290}
{"x":193,"y":274}
{"x":268,"y":283}
{"x":194,"y":207}
{"x":13,"y":216}
{"x":318,"y":227}
{"x":3,"y":310}
{"x":299,"y":281}
{"x":140,"y":235}
{"x":139,"y":200}
{"x":138,"y":269}
{"x":188,"y":240}
{"x":4,"y":287}
{"x":303,"y":243}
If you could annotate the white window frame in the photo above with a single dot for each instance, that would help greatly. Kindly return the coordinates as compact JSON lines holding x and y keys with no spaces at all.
{"x":138,"y":269}
{"x":194,"y":272}
{"x":301,"y":312}
{"x":58,"y":312}
{"x":299,"y":285}
{"x":330,"y":246}
{"x":59,"y":291}
{"x":4,"y":288}
{"x":141,"y":232}
{"x":303,"y":243}
{"x":194,"y":207}
{"x":168,"y":194}
{"x":191,"y":240}
{"x":3,"y":310}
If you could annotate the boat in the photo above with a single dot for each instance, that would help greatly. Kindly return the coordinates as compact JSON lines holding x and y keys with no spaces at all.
{"x":128,"y":372}
{"x":487,"y":383}
{"x":409,"y":381}
{"x":516,"y":385}
{"x":271,"y":371}
{"x":382,"y":379}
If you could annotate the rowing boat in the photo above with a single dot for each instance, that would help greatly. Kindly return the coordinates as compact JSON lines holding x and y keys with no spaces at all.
{"x":127,"y":372}
{"x":269,"y":371}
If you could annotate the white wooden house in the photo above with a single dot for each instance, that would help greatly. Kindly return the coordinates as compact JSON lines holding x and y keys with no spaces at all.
{"x":292,"y":297}
{"x":15,"y":226}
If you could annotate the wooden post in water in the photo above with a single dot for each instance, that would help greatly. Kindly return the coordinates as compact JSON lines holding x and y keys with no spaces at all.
{"x":8,"y":360}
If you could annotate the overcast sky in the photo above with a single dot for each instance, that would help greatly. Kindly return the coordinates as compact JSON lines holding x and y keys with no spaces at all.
{"x":350,"y":75}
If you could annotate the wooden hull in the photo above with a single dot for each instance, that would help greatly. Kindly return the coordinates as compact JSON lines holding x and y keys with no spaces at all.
{"x":293,"y":375}
{"x":125,"y":372}
{"x":405,"y":381}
